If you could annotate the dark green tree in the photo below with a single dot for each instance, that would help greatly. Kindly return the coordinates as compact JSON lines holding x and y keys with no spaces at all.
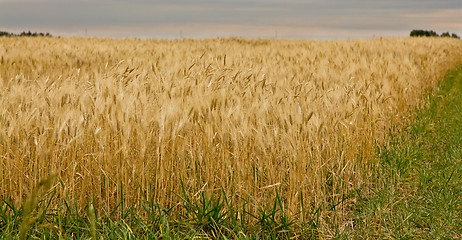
{"x":4,"y":34}
{"x":445,"y":34}
{"x":423,"y":33}
{"x":25,"y":34}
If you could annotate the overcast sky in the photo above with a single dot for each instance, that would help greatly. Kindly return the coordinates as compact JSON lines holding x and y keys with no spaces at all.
{"x":316,"y":19}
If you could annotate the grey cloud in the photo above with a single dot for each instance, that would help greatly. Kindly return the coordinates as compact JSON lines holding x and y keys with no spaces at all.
{"x":327,"y":14}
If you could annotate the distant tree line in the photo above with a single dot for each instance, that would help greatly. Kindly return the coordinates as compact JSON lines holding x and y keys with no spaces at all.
{"x":427,"y":33}
{"x":25,"y":34}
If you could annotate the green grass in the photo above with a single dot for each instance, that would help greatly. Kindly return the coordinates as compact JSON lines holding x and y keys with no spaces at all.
{"x":417,"y":190}
{"x":415,"y":193}
{"x":204,"y":215}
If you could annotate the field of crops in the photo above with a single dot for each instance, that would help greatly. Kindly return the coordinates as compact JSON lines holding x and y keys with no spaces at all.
{"x":143,"y":119}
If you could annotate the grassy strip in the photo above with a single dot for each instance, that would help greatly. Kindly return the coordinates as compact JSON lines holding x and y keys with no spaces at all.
{"x":418,"y":183}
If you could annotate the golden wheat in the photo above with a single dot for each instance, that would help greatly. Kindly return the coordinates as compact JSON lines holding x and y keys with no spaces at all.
{"x":244,"y":115}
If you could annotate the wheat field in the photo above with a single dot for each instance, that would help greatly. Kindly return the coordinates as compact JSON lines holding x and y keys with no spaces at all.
{"x":136,"y":119}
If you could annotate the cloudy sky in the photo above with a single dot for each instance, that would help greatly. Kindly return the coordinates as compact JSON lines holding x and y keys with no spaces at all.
{"x":316,"y":19}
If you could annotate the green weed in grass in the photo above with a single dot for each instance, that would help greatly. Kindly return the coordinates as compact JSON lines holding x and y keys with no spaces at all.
{"x":38,"y":193}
